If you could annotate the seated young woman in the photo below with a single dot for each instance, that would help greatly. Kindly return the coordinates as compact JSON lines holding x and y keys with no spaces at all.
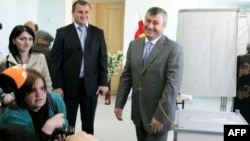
{"x":32,"y":108}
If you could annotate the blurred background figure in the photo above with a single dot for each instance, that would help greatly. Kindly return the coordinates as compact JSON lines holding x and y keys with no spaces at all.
{"x":242,"y":99}
{"x":32,"y":25}
{"x":43,"y":43}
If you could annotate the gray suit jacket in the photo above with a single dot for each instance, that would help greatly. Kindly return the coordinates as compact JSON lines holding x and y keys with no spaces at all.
{"x":155,"y":86}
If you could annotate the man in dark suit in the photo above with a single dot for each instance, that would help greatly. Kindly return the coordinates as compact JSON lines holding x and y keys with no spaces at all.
{"x":155,"y":80}
{"x":79,"y":66}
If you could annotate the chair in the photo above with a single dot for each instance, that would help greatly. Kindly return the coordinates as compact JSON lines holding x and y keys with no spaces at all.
{"x":181,"y":100}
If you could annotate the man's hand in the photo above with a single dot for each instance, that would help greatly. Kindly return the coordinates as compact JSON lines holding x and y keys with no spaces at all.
{"x":118,"y":113}
{"x":155,"y":125}
{"x":59,"y":91}
{"x":102,"y":90}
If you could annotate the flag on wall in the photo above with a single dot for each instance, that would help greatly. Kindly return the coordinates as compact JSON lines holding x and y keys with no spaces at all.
{"x":139,"y":31}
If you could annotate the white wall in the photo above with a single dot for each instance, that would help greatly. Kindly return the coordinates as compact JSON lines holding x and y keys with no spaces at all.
{"x":49,"y":14}
{"x":172,"y":7}
{"x":12,"y":13}
{"x":52,"y":14}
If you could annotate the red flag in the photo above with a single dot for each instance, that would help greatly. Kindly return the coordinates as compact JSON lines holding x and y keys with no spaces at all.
{"x":139,"y":32}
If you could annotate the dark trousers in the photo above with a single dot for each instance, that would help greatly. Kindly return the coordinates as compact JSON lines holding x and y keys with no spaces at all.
{"x":143,"y":135}
{"x":87,"y":108}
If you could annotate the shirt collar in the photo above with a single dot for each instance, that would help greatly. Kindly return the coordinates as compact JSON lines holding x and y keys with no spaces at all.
{"x":77,"y":25}
{"x":153,"y":41}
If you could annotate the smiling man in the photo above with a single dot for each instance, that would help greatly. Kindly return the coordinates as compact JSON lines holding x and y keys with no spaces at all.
{"x":79,"y":66}
{"x":153,"y":71}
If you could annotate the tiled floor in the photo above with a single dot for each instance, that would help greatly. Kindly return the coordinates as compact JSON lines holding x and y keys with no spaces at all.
{"x":108,"y":128}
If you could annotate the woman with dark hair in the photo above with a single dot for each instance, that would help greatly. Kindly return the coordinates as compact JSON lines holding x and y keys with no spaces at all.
{"x":20,"y":53}
{"x":21,"y":41}
{"x":36,"y":109}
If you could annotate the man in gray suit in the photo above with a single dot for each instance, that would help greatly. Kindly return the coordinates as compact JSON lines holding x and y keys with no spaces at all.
{"x":155,"y":82}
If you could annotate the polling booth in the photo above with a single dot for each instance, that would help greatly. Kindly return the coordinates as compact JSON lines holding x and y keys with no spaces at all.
{"x":210,"y":44}
{"x":242,"y":99}
{"x":209,"y":41}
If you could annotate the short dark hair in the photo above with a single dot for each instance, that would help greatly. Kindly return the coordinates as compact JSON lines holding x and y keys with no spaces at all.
{"x":157,"y":10}
{"x":81,"y":2}
{"x":13,"y":132}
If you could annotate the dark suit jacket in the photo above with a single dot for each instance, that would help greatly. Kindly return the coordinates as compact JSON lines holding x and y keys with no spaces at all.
{"x":66,"y":58}
{"x":155,"y":86}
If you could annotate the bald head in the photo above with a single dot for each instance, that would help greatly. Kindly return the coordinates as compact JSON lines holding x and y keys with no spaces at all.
{"x":32,"y":25}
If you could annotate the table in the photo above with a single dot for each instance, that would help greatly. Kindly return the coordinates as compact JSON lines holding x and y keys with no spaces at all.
{"x":197,"y":125}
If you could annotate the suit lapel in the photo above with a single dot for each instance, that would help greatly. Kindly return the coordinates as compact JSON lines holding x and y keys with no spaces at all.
{"x":72,"y":33}
{"x":139,"y":46}
{"x":87,"y":39}
{"x":157,"y":49}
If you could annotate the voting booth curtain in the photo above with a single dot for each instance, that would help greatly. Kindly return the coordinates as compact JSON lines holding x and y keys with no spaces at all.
{"x":209,"y":40}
